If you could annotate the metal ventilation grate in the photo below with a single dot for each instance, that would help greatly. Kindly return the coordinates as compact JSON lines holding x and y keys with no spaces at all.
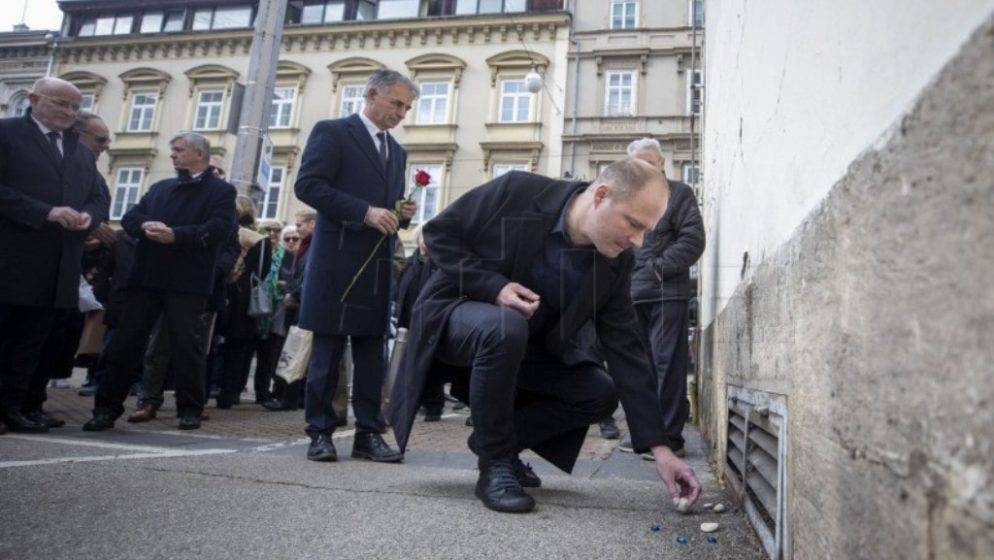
{"x":755,"y":463}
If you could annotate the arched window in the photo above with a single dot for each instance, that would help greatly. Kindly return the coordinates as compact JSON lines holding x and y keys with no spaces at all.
{"x":19,"y":104}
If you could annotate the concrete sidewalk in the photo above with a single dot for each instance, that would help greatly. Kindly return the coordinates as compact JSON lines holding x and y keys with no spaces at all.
{"x":150,"y":491}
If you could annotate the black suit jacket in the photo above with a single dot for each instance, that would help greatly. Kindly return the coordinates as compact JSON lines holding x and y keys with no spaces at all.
{"x":490,"y":236}
{"x":41,"y":261}
{"x":341,"y":176}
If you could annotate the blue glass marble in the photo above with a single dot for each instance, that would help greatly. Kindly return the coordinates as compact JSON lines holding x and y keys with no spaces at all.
{"x":654,"y":528}
{"x":681,"y":540}
{"x":713,"y":540}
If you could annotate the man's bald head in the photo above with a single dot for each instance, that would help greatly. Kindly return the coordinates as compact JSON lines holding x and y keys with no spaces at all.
{"x":55,"y":103}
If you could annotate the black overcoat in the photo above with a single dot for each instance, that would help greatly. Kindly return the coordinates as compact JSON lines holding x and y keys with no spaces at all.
{"x":490,"y":236}
{"x":40,"y":261}
{"x":341,"y":176}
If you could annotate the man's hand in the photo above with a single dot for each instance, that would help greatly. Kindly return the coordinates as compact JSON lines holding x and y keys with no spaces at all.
{"x":518,"y":298}
{"x":681,"y":482}
{"x":382,"y":219}
{"x":105,"y":234}
{"x":289,"y":302}
{"x":408,"y":209}
{"x":67,"y":218}
{"x":84,"y":222}
{"x":159,"y":232}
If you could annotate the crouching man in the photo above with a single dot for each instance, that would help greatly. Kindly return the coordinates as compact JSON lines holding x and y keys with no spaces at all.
{"x":527,"y":267}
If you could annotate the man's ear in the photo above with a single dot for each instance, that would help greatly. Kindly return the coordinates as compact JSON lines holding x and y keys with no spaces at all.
{"x":601,"y":192}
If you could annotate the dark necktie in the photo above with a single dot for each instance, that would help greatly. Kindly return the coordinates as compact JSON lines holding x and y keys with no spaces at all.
{"x":383,"y":147}
{"x":53,"y":139}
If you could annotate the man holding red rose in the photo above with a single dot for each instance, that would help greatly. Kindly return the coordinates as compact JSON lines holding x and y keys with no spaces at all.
{"x":352,"y":173}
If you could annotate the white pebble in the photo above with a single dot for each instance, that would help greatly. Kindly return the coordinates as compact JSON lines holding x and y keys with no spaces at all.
{"x":709,"y":527}
{"x":708,"y":505}
{"x":682,"y":505}
{"x":718,"y":508}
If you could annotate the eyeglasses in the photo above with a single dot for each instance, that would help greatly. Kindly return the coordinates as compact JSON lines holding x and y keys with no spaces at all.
{"x":97,"y":139}
{"x":289,"y":239}
{"x":61,"y":102}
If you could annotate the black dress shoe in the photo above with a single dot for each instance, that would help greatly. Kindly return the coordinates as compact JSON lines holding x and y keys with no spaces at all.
{"x":189,"y":422}
{"x":499,"y":489}
{"x":526,"y":476}
{"x":3,"y":428}
{"x":224,"y":403}
{"x":321,"y":449}
{"x":609,"y":430}
{"x":100,"y":422}
{"x":432,"y":416}
{"x":42,"y":418}
{"x":370,"y":445}
{"x":276,"y":405}
{"x":22,"y":423}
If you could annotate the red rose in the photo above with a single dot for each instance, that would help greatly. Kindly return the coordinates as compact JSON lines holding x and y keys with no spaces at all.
{"x":422,"y":178}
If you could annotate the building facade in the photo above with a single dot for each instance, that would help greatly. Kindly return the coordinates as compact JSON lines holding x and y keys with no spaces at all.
{"x":633,"y":72}
{"x":24,"y":57}
{"x":171,"y":66}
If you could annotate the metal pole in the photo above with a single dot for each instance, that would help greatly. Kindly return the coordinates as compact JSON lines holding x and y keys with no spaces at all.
{"x":253,"y":121}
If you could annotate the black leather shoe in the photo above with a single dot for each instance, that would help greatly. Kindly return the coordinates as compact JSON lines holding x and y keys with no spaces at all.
{"x":189,"y":422}
{"x":499,"y":489}
{"x":22,"y":423}
{"x":42,"y":418}
{"x":609,"y":430}
{"x":277,"y":405}
{"x":100,"y":422}
{"x":433,"y":416}
{"x":3,"y":428}
{"x":370,"y":445}
{"x":526,"y":476}
{"x":321,"y":449}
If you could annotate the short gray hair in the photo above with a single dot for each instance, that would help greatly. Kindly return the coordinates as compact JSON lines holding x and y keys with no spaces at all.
{"x":645,"y":144}
{"x":629,"y":176}
{"x":196,"y":142}
{"x":383,"y":79}
{"x":83,"y":119}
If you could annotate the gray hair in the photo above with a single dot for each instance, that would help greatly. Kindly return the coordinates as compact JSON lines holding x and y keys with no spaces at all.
{"x":196,"y":142}
{"x":629,"y":176}
{"x":645,"y":144}
{"x":383,"y":79}
{"x":289,"y":228}
{"x":83,"y":119}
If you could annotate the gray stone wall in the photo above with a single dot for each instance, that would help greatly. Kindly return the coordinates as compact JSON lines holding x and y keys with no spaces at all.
{"x":877,"y":321}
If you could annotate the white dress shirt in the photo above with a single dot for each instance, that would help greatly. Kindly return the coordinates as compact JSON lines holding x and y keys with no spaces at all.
{"x":373,"y":130}
{"x":45,"y":130}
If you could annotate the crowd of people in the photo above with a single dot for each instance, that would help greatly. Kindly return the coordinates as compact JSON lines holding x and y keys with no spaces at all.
{"x":521,"y":294}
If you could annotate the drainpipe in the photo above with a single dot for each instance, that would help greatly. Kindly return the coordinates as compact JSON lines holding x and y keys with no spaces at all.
{"x":576,"y":93}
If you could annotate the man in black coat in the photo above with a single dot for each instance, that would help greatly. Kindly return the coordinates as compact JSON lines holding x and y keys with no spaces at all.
{"x":180,"y":225}
{"x":526,"y":263}
{"x":51,"y":197}
{"x":352,"y":173}
{"x":661,"y":288}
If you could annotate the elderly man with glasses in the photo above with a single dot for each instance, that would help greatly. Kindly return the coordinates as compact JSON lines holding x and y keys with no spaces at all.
{"x":51,"y":198}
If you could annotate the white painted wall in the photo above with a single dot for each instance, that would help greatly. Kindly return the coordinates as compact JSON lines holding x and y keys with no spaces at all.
{"x":794,"y":92}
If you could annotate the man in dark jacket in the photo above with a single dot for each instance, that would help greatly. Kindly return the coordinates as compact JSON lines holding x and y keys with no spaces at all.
{"x":661,"y":287}
{"x":525,"y":264}
{"x":180,"y":225}
{"x":352,"y":172}
{"x":51,"y":197}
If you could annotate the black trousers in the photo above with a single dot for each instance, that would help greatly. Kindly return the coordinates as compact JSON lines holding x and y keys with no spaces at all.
{"x":158,"y":362}
{"x":368,"y":353}
{"x":518,"y":404}
{"x":58,"y":356}
{"x":664,"y":331}
{"x":23,"y":332}
{"x":267,"y":356}
{"x":181,"y":321}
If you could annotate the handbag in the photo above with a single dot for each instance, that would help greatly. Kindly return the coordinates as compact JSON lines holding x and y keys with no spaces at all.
{"x":296,"y":354}
{"x":87,"y":300}
{"x":260,"y":300}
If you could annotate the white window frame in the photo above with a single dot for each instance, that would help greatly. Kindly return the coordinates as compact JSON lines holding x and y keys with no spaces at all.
{"x":282,"y":108}
{"x":500,"y":168}
{"x":518,"y":97}
{"x":608,"y":110}
{"x":274,"y":191}
{"x":634,"y":4}
{"x":436,"y":170}
{"x":432,"y":101}
{"x":145,"y":18}
{"x":690,"y":12}
{"x":145,"y":111}
{"x":690,"y":91}
{"x":19,"y":104}
{"x":125,"y":192}
{"x":210,"y":110}
{"x":685,"y":171}
{"x":359,"y":100}
{"x":88,"y":101}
